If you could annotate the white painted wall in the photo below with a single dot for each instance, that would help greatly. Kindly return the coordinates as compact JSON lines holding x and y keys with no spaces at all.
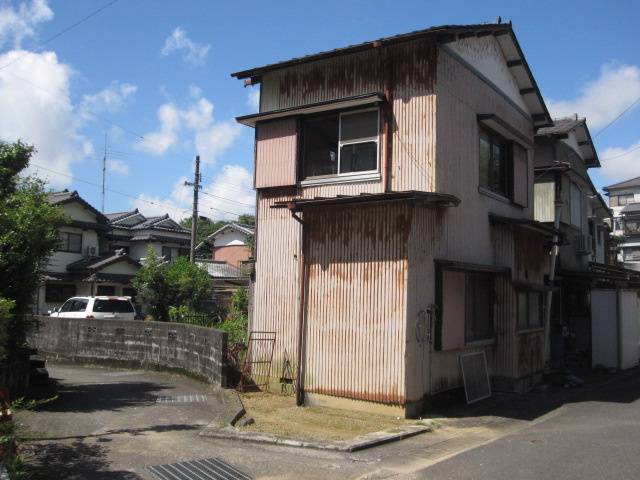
{"x":59,"y":260}
{"x":230,"y":237}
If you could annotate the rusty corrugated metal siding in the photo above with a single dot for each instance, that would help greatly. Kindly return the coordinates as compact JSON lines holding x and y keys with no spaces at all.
{"x":276,"y":149}
{"x":356,"y":305}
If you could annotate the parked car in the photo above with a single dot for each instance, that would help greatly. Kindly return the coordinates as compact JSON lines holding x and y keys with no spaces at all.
{"x":98,"y":308}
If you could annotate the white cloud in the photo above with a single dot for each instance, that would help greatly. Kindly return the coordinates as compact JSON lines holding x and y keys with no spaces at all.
{"x":18,"y":24}
{"x":600,"y":101}
{"x":117,"y":166}
{"x":619,"y":163}
{"x":228,"y":195}
{"x":42,"y":113}
{"x":230,"y":192}
{"x":158,"y":142}
{"x":192,"y":53}
{"x":211,"y":138}
{"x":109,"y":99}
{"x":253,"y":99}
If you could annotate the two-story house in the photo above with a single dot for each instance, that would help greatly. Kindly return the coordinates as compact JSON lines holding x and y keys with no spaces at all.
{"x":624,"y":200}
{"x":395,"y":222}
{"x":566,"y":197}
{"x":229,"y":244}
{"x":135,"y":234}
{"x":100,"y":253}
{"x":83,"y":264}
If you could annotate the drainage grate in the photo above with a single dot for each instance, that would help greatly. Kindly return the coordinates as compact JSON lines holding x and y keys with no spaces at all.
{"x":209,"y":469}
{"x":193,"y":398}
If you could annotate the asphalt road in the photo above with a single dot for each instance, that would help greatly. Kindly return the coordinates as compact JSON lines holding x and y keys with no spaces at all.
{"x":106,"y":425}
{"x":595,"y":436}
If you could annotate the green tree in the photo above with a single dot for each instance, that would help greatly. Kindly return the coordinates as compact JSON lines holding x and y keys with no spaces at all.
{"x":161,"y":286}
{"x":247,"y":219}
{"x":28,"y":236}
{"x":206,"y":226}
{"x":237,"y":321}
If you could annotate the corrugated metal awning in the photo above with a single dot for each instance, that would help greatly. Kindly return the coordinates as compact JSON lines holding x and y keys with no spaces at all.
{"x":436,"y":199}
{"x":342,"y":103}
{"x":526,"y":223}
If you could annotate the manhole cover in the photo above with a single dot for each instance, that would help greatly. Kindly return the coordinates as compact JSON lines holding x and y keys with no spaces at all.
{"x":208,"y":469}
{"x":192,"y":398}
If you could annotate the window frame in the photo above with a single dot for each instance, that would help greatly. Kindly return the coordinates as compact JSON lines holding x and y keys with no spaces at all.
{"x":64,"y":242}
{"x":340,"y":177}
{"x":528,"y":326}
{"x":168,"y":258}
{"x":470,"y":310}
{"x":507,"y":156}
{"x":59,"y":288}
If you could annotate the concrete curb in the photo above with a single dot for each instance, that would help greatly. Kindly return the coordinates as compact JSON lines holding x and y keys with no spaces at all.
{"x":232,"y":410}
{"x":359,"y":443}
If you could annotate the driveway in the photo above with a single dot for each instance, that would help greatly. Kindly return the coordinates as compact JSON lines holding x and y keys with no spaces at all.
{"x":107,"y":424}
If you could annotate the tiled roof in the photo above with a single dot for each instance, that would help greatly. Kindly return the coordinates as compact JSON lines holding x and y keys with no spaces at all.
{"x":561,"y":126}
{"x":220,"y":269}
{"x":96,"y":263}
{"x":115,"y":216}
{"x":65,"y":196}
{"x":632,"y":182}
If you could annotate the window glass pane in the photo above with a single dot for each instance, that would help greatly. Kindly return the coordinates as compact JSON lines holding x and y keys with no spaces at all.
{"x":485,"y":159}
{"x":112,"y":306}
{"x":320,"y":146}
{"x":359,"y":157}
{"x":166,"y":253}
{"x":522,"y":310}
{"x":75,"y":242}
{"x":79,"y":305}
{"x":358,"y":126}
{"x":106,"y":290}
{"x":479,"y":306}
{"x":67,"y":306}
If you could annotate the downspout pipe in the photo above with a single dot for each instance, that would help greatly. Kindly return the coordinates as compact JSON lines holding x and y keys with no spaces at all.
{"x":301,"y":303}
{"x":552,"y":275}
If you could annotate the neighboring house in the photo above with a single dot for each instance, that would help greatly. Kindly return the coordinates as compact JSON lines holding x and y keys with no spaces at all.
{"x":225,"y":279}
{"x":230,"y":244}
{"x":395,"y":224}
{"x":624,"y":200}
{"x":566,"y":196}
{"x":83,"y":265}
{"x":100,"y":253}
{"x":134,"y":233}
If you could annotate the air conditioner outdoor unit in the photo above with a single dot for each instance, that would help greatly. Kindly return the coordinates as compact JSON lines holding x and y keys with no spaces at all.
{"x":90,"y":252}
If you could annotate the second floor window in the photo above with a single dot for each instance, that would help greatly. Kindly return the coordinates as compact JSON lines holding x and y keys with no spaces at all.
{"x":495,"y":162}
{"x":340,"y":144}
{"x":70,"y":242}
{"x":621,"y":200}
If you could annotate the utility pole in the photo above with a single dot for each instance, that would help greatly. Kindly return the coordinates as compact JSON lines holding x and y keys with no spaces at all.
{"x":104,"y":168}
{"x":194,"y":216}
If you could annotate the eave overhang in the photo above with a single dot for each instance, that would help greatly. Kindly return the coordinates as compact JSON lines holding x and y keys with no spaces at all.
{"x":525,"y":223}
{"x":430,"y":198}
{"x":339,"y":104}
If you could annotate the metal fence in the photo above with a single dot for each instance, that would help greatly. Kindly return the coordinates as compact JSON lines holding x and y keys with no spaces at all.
{"x":200,"y":319}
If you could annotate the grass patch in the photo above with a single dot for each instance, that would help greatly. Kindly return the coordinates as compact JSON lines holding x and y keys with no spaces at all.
{"x":279,"y":415}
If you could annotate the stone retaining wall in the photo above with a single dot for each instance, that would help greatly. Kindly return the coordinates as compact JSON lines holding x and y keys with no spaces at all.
{"x":198,"y":351}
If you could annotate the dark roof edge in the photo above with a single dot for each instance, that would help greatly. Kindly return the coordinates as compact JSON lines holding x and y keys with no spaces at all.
{"x":442,"y":199}
{"x":404,"y":37}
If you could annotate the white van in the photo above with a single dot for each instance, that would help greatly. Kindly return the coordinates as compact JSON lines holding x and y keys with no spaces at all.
{"x":98,"y":308}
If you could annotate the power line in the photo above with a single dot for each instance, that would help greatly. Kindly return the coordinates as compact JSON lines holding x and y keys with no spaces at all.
{"x":633,"y":104}
{"x":61,"y":32}
{"x":621,"y":154}
{"x":129,"y":195}
{"x":226,"y":199}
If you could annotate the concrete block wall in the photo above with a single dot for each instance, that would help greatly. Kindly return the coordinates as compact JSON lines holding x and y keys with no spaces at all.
{"x":197,"y":351}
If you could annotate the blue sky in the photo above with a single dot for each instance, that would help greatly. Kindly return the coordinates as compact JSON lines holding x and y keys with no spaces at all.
{"x":137,"y":59}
